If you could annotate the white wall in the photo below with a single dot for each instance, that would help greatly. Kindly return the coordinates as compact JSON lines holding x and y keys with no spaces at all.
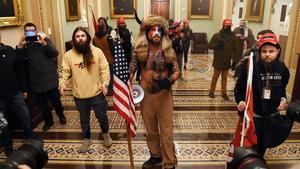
{"x":275,"y":24}
{"x":235,"y":12}
{"x":69,"y":26}
{"x":132,"y":25}
{"x":210,"y":26}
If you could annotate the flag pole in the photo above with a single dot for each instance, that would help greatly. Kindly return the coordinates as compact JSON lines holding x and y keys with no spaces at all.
{"x":129,"y":146}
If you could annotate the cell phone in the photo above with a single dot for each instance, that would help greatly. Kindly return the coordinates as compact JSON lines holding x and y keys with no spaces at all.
{"x":31,"y":38}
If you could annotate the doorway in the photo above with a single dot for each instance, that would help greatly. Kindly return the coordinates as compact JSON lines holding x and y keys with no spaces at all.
{"x":161,"y":8}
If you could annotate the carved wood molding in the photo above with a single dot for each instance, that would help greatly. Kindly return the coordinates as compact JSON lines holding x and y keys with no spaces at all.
{"x":273,"y":2}
{"x":294,"y":26}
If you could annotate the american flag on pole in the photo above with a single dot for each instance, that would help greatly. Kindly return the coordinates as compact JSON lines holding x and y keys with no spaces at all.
{"x":122,"y":91}
{"x":245,"y":133}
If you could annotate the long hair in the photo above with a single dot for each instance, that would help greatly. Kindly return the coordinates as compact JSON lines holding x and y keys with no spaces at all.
{"x":85,"y":49}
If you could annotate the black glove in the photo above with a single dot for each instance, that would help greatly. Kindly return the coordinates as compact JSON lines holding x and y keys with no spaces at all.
{"x":164,"y":83}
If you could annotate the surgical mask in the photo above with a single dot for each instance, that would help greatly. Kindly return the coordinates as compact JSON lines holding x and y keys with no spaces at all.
{"x":30,"y":33}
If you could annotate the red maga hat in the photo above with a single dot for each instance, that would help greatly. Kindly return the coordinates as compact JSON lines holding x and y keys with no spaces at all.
{"x":267,"y":38}
{"x":121,"y":20}
{"x":227,"y":22}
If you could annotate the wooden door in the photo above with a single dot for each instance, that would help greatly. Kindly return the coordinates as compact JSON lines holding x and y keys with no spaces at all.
{"x":161,"y":8}
{"x":296,"y":89}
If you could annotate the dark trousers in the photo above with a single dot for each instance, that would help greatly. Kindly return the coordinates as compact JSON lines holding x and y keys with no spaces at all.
{"x":179,"y":60}
{"x":185,"y":55}
{"x":110,"y":86}
{"x":42,"y":101}
{"x":138,"y":72}
{"x":99,"y":105}
{"x":17,"y":106}
{"x":261,"y":147}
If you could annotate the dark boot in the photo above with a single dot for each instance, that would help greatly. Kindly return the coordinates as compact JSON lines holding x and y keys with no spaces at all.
{"x":8,"y":151}
{"x":47,"y":126}
{"x":225,"y":97}
{"x":152,"y":162}
{"x":62,"y":120}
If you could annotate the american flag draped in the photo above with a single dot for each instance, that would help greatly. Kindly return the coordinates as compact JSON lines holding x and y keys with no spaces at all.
{"x":245,"y":133}
{"x":122,"y":91}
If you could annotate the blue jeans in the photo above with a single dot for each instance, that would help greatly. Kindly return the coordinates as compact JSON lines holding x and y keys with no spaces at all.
{"x":99,"y":105}
{"x":17,"y":106}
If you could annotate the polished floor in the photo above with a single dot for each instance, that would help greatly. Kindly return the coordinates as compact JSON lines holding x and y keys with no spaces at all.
{"x":203,"y":128}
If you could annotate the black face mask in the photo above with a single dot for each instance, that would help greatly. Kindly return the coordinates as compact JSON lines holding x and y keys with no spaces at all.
{"x":227,"y":29}
{"x":122,"y":27}
{"x":101,"y":26}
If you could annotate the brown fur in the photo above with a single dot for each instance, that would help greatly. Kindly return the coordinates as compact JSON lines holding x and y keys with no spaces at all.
{"x":142,"y":45}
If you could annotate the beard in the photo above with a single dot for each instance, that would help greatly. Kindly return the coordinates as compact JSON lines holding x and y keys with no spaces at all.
{"x":155,"y":40}
{"x":82,"y":47}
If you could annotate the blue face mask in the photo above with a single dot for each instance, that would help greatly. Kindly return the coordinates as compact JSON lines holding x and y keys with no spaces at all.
{"x":30,"y":33}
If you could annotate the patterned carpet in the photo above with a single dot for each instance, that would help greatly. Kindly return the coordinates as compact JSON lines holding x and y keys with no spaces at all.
{"x":194,"y":152}
{"x":203,"y":128}
{"x":184,"y":122}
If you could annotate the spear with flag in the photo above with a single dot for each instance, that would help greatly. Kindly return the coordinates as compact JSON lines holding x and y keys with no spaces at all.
{"x":122,"y":95}
{"x":245,"y":133}
{"x":95,"y":24}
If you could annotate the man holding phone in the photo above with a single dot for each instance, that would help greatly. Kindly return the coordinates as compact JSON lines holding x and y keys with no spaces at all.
{"x":40,"y":63}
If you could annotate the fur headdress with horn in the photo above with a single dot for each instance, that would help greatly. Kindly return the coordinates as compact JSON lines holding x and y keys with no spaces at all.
{"x":142,"y":46}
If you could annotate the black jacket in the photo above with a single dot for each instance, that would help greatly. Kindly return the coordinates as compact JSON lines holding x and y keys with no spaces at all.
{"x":279,"y":77}
{"x":40,"y":64}
{"x":12,"y":73}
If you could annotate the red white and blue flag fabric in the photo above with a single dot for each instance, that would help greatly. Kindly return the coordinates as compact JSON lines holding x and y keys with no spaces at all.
{"x":245,"y":133}
{"x":122,"y":91}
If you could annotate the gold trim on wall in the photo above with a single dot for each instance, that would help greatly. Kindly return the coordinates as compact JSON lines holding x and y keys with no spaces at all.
{"x":256,"y":13}
{"x":115,"y":15}
{"x":200,"y":16}
{"x":72,"y":17}
{"x":17,"y":19}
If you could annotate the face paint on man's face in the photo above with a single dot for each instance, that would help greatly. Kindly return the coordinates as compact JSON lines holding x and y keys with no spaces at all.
{"x":155,"y":33}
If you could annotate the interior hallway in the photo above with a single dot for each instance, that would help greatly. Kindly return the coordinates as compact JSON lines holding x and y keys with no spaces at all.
{"x":203,"y":128}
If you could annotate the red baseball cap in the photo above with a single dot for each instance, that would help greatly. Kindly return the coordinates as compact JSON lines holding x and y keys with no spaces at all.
{"x":267,"y":38}
{"x":121,"y":20}
{"x":227,"y":22}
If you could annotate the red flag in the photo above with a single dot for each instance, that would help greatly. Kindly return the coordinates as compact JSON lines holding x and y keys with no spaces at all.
{"x":122,"y":91}
{"x":95,"y":23}
{"x":245,"y":133}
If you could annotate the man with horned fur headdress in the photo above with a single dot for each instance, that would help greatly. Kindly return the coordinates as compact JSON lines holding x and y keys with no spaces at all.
{"x":159,"y":70}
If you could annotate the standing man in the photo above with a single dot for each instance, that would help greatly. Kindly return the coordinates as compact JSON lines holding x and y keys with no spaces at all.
{"x":88,"y":70}
{"x":186,"y":40}
{"x":270,"y":78}
{"x":13,"y":91}
{"x":104,"y":41}
{"x":40,"y":62}
{"x":159,"y":70}
{"x":225,"y":45}
{"x":245,"y":36}
{"x":104,"y":25}
{"x":122,"y":34}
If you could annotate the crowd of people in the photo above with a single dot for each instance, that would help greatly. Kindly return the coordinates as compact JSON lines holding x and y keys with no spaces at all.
{"x":157,"y":57}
